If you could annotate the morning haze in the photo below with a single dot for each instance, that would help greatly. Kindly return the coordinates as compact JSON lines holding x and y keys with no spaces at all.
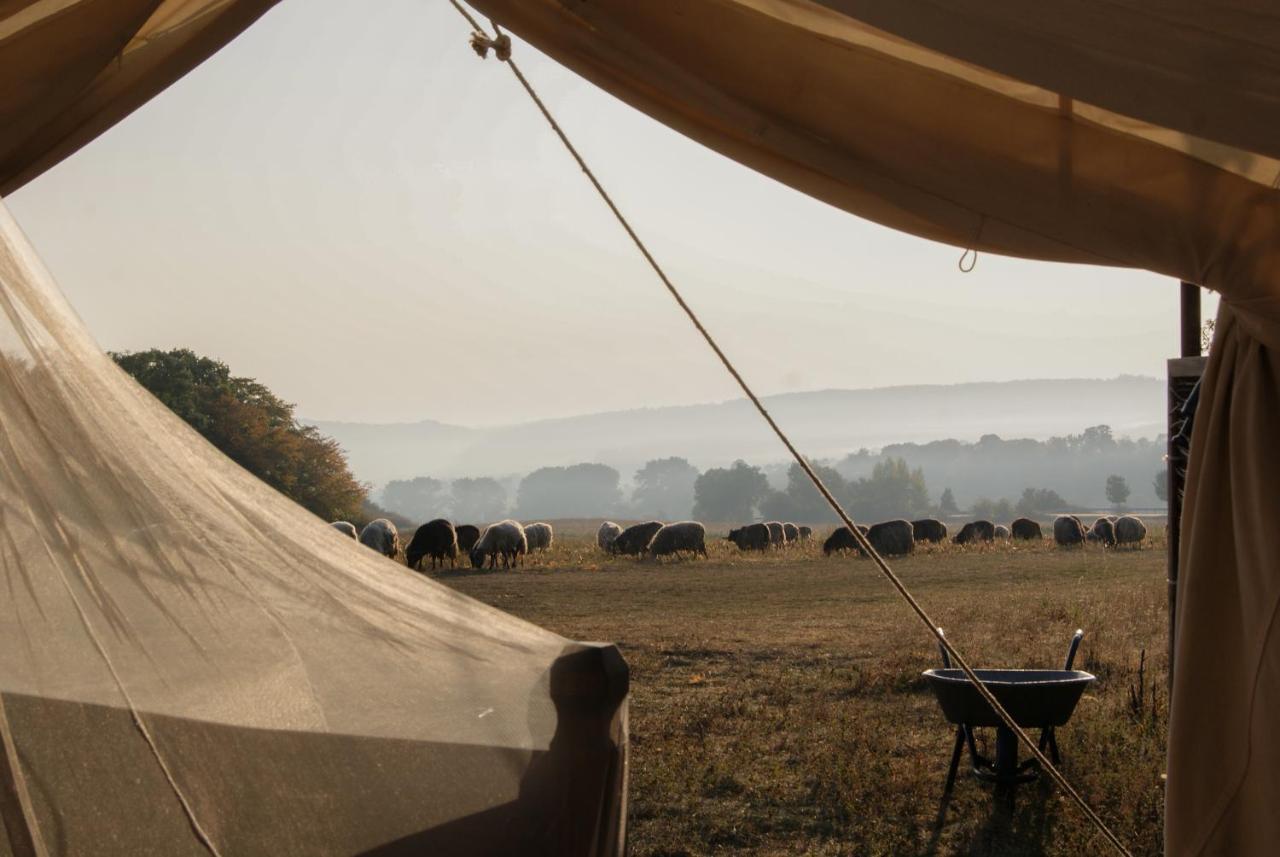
{"x":351,"y":207}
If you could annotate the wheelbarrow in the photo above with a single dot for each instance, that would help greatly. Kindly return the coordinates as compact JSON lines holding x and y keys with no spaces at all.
{"x":1035,"y":699}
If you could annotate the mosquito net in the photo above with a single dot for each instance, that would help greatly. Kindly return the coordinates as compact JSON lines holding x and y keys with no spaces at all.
{"x":191,"y":664}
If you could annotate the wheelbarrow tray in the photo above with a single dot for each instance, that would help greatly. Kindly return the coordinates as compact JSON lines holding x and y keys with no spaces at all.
{"x":1036,"y":699}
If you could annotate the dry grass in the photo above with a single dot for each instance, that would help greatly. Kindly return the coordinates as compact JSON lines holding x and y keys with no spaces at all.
{"x":777,"y":705}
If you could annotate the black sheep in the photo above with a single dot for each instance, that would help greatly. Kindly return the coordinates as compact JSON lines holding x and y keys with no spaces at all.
{"x":436,"y":539}
{"x":976,"y":531}
{"x":468,"y":535}
{"x":1025,"y":528}
{"x":929,"y":530}
{"x":634,"y":539}
{"x":841,"y":540}
{"x":752,"y":537}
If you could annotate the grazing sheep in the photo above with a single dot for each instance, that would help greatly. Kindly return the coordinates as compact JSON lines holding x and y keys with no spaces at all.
{"x":540,"y":536}
{"x":436,"y":539}
{"x":790,"y":532}
{"x":346,"y":528}
{"x":1130,"y":530}
{"x":976,"y":531}
{"x":677,"y":538}
{"x":929,"y":530}
{"x":1068,"y":531}
{"x":606,"y":534}
{"x":777,"y":535}
{"x":805,"y":534}
{"x":892,"y":538}
{"x":505,"y":539}
{"x":1025,"y":528}
{"x":381,"y":535}
{"x":468,"y":535}
{"x":752,"y":537}
{"x":634,"y":539}
{"x":1103,"y":531}
{"x":841,"y":540}
{"x":1002,"y":532}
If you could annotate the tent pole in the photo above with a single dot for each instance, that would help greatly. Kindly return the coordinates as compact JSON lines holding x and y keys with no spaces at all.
{"x":1190,"y":320}
{"x":1190,"y":336}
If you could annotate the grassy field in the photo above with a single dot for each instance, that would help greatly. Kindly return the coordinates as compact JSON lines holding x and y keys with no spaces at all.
{"x":777,"y":705}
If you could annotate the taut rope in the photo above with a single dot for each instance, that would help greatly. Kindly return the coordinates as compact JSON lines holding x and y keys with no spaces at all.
{"x":501,"y":43}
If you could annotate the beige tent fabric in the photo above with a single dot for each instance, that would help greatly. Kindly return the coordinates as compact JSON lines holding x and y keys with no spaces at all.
{"x":1224,"y":758}
{"x":1206,"y":69}
{"x":1060,"y":161}
{"x":191,"y":663}
{"x":73,"y":68}
{"x":921,"y":142}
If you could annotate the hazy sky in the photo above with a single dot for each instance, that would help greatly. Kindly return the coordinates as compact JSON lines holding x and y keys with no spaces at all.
{"x":350,"y":206}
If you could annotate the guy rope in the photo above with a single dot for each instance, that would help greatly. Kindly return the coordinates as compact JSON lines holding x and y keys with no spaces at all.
{"x":500,"y":43}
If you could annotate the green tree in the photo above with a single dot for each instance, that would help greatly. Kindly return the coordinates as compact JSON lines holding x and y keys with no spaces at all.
{"x":664,"y":489}
{"x":419,"y":499}
{"x":894,"y":490}
{"x":577,"y":491}
{"x":729,"y":494}
{"x":947,"y":504}
{"x":1035,"y":500}
{"x":251,"y":426}
{"x":1117,"y":490}
{"x":801,"y":501}
{"x":1161,"y":484}
{"x":480,"y":500}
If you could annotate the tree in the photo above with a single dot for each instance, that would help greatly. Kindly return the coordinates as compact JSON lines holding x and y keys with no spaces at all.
{"x":1117,"y":490}
{"x":893,"y":491}
{"x":370,"y":510}
{"x":419,"y":499}
{"x":947,"y":504}
{"x":577,"y":491}
{"x":664,"y":489}
{"x":992,"y":510}
{"x":251,"y":426}
{"x":480,"y":500}
{"x":1161,"y":484}
{"x":1035,"y":500}
{"x":729,"y":494}
{"x":801,"y":501}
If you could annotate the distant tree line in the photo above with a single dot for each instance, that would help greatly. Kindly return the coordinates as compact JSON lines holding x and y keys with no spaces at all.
{"x":1076,"y":466}
{"x":259,"y":431}
{"x":870,"y":486}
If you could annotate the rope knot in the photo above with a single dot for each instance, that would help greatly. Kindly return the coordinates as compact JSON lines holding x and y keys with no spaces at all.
{"x":501,"y":45}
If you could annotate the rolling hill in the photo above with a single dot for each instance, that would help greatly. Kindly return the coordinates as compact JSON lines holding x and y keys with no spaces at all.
{"x":824,"y":424}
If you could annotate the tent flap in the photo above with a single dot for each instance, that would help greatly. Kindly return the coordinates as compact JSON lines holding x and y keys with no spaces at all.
{"x":188,"y":656}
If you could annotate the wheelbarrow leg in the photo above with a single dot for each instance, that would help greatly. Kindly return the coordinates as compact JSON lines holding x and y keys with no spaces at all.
{"x":955,"y":760}
{"x":1048,"y":740}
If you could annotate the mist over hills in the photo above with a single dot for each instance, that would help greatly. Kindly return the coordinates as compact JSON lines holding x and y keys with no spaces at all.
{"x":826,"y":424}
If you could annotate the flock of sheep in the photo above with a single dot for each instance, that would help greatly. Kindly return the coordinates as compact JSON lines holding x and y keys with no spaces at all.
{"x":510,"y":541}
{"x":894,"y":538}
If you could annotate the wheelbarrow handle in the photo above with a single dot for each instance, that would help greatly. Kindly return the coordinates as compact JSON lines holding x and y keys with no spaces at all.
{"x":1075,"y":644}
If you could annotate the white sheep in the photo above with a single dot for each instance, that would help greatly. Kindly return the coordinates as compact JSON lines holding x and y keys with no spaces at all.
{"x":539,"y":535}
{"x":381,"y":535}
{"x":505,"y":539}
{"x":606,"y":534}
